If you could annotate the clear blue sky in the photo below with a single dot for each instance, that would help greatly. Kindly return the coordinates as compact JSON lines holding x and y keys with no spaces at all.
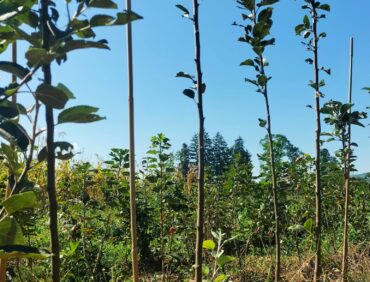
{"x":163,"y":45}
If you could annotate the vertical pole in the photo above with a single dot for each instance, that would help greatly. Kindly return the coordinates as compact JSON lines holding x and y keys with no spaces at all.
{"x":347,"y":174}
{"x":49,"y":117}
{"x":3,"y":262}
{"x":201,"y":156}
{"x":134,"y":251}
{"x":317,"y":271}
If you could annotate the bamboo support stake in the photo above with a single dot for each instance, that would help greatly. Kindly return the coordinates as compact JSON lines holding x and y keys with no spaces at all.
{"x":347,"y":174}
{"x":134,"y":251}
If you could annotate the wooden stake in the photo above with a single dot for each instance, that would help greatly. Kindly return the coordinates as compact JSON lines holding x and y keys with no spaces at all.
{"x":347,"y":174}
{"x":134,"y":251}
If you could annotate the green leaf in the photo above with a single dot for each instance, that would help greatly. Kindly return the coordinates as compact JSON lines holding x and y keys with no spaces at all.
{"x":11,"y":89}
{"x":8,"y":11}
{"x":79,"y":114}
{"x":185,"y":75}
{"x":14,"y":68}
{"x":265,"y":15}
{"x":251,"y":81}
{"x":262,"y":80}
{"x":324,"y":7}
{"x":248,"y":4}
{"x":222,"y":260}
{"x":62,"y":151}
{"x":71,"y":250}
{"x":247,"y":62}
{"x":86,"y":33}
{"x":203,"y":88}
{"x":77,"y":24}
{"x":11,"y":156}
{"x":42,"y":155}
{"x":189,"y":92}
{"x":29,"y":17}
{"x":101,"y":20}
{"x":209,"y":245}
{"x":296,"y":228}
{"x":261,"y":30}
{"x":299,"y":29}
{"x":14,"y":133}
{"x":205,"y":270}
{"x":51,"y":96}
{"x":308,"y":224}
{"x":17,"y":202}
{"x":220,"y":278}
{"x":66,"y":91}
{"x":268,"y":42}
{"x":126,"y":17}
{"x":267,"y":2}
{"x":262,"y":122}
{"x":10,"y":232}
{"x":72,"y":45}
{"x":309,"y":61}
{"x":8,"y":109}
{"x":306,"y":22}
{"x":20,"y":251}
{"x":104,"y":4}
{"x":39,"y":56}
{"x":183,"y":9}
{"x":121,"y":19}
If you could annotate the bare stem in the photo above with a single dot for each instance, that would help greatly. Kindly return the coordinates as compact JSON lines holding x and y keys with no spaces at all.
{"x":317,"y":271}
{"x":347,"y":176}
{"x":200,"y":211}
{"x":53,"y":205}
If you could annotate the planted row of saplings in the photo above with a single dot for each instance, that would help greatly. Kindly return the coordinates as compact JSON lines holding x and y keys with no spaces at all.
{"x":51,"y":44}
{"x":258,"y":18}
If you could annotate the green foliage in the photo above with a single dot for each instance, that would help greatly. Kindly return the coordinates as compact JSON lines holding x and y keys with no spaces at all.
{"x":92,"y":195}
{"x":79,"y":114}
{"x":340,"y":116}
{"x":209,"y":245}
{"x":94,"y":216}
{"x":24,"y":21}
{"x":219,"y":259}
{"x":29,"y":199}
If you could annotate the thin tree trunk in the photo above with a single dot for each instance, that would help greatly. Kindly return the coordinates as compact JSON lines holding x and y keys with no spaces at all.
{"x":317,"y":271}
{"x":200,"y":211}
{"x":273,"y":178}
{"x":53,"y":205}
{"x":274,"y":191}
{"x":4,"y":262}
{"x":347,"y":176}
{"x":162,"y":220}
{"x":134,"y":251}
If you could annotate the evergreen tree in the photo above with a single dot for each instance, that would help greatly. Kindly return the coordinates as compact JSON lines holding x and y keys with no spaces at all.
{"x":239,"y":152}
{"x":193,"y":149}
{"x":220,"y":157}
{"x":183,"y":156}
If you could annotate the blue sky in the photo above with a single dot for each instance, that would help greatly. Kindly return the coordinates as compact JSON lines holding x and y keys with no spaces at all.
{"x":163,"y":45}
